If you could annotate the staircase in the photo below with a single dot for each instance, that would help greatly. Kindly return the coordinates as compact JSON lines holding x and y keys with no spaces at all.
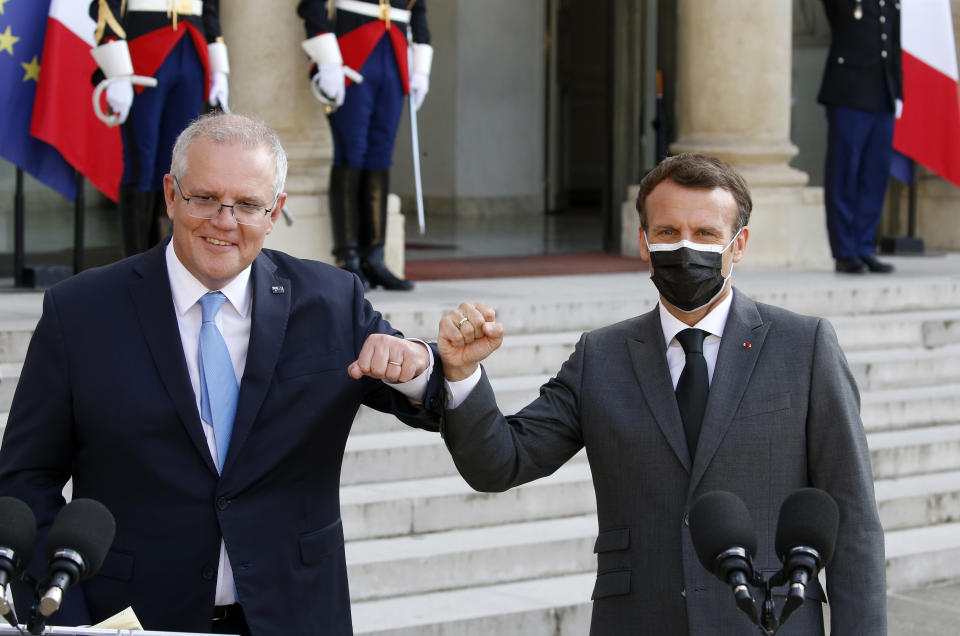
{"x":427,"y":555}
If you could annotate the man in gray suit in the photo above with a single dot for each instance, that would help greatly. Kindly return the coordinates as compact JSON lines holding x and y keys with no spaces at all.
{"x":781,"y":413}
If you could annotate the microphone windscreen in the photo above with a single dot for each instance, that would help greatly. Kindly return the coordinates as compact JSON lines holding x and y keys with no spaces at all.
{"x":84,"y":526}
{"x":719,"y":520}
{"x":808,"y":517}
{"x":18,"y":527}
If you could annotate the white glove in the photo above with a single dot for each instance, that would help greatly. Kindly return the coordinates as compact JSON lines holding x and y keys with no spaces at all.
{"x":330,"y":80}
{"x":120,"y":98}
{"x":419,"y":87}
{"x":219,"y":90}
{"x":897,"y":108}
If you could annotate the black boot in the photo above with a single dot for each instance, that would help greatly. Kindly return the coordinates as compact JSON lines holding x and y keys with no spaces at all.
{"x":136,"y":212}
{"x":374,"y":187}
{"x":345,"y":218}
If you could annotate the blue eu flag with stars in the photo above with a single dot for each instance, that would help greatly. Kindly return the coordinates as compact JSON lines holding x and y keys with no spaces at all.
{"x":22,"y":27}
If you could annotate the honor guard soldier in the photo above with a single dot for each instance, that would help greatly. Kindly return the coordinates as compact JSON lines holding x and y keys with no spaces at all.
{"x":362,"y":72}
{"x":862,"y":89}
{"x":178,"y":42}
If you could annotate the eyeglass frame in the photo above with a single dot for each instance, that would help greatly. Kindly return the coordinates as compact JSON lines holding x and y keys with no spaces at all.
{"x":222,"y":205}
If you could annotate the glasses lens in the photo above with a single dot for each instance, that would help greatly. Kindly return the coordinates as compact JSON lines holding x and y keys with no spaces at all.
{"x":203,"y":208}
{"x":248,"y":214}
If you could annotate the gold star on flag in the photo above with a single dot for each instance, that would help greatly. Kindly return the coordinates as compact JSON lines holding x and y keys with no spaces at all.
{"x":7,"y":40}
{"x":31,"y":70}
{"x":1,"y":6}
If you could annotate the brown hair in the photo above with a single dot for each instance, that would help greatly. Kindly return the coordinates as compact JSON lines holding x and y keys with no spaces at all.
{"x":694,"y":170}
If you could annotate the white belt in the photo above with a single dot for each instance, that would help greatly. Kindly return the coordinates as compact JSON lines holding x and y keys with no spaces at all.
{"x":372,"y":10}
{"x":181,"y":7}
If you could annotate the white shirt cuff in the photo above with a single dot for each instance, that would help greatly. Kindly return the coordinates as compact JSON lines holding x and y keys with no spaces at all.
{"x":459,"y":391}
{"x":416,"y":388}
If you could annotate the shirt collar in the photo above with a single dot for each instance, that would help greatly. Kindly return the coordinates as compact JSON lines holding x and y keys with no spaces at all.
{"x":187,"y":290}
{"x":713,"y":323}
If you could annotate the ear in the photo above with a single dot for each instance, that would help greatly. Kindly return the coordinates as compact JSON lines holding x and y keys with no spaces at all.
{"x":644,"y":250}
{"x":275,"y":214}
{"x":739,"y":246}
{"x":169,"y":193}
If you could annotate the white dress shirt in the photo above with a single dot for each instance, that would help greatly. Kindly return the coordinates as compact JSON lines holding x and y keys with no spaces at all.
{"x":713,"y":323}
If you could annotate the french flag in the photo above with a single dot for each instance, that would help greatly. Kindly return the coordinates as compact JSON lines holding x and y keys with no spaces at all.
{"x":929,"y":129}
{"x":63,"y":110}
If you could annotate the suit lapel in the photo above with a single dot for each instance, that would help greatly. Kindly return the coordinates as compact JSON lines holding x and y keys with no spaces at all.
{"x":271,"y":309}
{"x":154,"y":306}
{"x":742,"y":341}
{"x":649,"y":356}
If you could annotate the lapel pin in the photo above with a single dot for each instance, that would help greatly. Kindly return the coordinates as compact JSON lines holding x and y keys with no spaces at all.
{"x":747,"y":345}
{"x":277,"y":289}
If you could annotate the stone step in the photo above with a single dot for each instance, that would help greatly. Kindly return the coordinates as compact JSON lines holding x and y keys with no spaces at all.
{"x":406,"y":454}
{"x":445,"y":503}
{"x":560,"y":605}
{"x":9,"y":376}
{"x":899,"y":329}
{"x":431,"y":562}
{"x":922,"y":556}
{"x":916,"y":451}
{"x":578,"y":303}
{"x":889,"y":409}
{"x":550,"y":606}
{"x":513,"y":393}
{"x":902,"y":368}
{"x":919,"y":500}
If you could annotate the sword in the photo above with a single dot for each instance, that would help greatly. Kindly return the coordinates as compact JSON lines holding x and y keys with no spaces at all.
{"x":418,"y":183}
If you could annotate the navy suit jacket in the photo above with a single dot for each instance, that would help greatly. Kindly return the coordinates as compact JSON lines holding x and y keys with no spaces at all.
{"x":105,"y":398}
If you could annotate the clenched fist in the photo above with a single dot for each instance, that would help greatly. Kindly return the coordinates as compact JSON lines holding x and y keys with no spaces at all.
{"x":390,"y":358}
{"x":467,"y":335}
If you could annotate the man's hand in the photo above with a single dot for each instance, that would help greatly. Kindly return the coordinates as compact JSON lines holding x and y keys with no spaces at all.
{"x":390,"y":358}
{"x":468,"y":335}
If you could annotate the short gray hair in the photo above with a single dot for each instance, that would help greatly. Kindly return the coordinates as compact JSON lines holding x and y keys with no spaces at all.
{"x":231,"y":129}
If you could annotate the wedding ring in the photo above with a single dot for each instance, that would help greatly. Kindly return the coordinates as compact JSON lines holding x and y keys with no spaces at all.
{"x":462,"y":320}
{"x":399,"y":364}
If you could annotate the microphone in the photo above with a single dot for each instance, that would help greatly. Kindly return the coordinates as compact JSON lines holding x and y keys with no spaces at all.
{"x":806,"y":536}
{"x":76,"y":546}
{"x":18,"y":529}
{"x":723,"y":537}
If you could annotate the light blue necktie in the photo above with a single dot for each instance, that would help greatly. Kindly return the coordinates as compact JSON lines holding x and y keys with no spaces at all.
{"x":218,"y":383}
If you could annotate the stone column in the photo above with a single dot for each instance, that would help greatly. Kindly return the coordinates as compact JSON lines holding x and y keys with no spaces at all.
{"x":268,"y":79}
{"x":733,"y":102}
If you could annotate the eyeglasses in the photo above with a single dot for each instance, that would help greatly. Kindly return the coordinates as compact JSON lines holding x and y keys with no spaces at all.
{"x":243,"y":213}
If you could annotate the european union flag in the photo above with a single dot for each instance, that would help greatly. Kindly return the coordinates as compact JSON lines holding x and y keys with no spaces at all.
{"x":22,"y":26}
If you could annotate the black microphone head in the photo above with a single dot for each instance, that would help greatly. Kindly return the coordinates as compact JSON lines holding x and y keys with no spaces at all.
{"x":808,"y":517}
{"x":18,"y":527}
{"x":84,"y":526}
{"x":719,"y":520}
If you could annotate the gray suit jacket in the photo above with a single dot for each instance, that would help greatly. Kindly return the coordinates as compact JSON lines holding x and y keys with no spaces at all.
{"x":783,"y":414}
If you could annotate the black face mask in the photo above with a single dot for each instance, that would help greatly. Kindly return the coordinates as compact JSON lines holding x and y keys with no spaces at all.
{"x":689,"y":278}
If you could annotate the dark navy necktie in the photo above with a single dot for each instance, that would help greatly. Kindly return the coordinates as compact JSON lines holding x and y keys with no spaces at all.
{"x":218,"y":382}
{"x":693,"y":386}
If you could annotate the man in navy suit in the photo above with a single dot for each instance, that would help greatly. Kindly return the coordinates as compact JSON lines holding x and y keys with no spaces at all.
{"x":249,"y":540}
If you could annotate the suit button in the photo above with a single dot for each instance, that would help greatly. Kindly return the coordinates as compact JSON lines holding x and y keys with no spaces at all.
{"x":883,"y":36}
{"x":882,"y":19}
{"x":222,"y":503}
{"x":839,"y":60}
{"x":882,"y":3}
{"x":207,"y":573}
{"x":883,"y":54}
